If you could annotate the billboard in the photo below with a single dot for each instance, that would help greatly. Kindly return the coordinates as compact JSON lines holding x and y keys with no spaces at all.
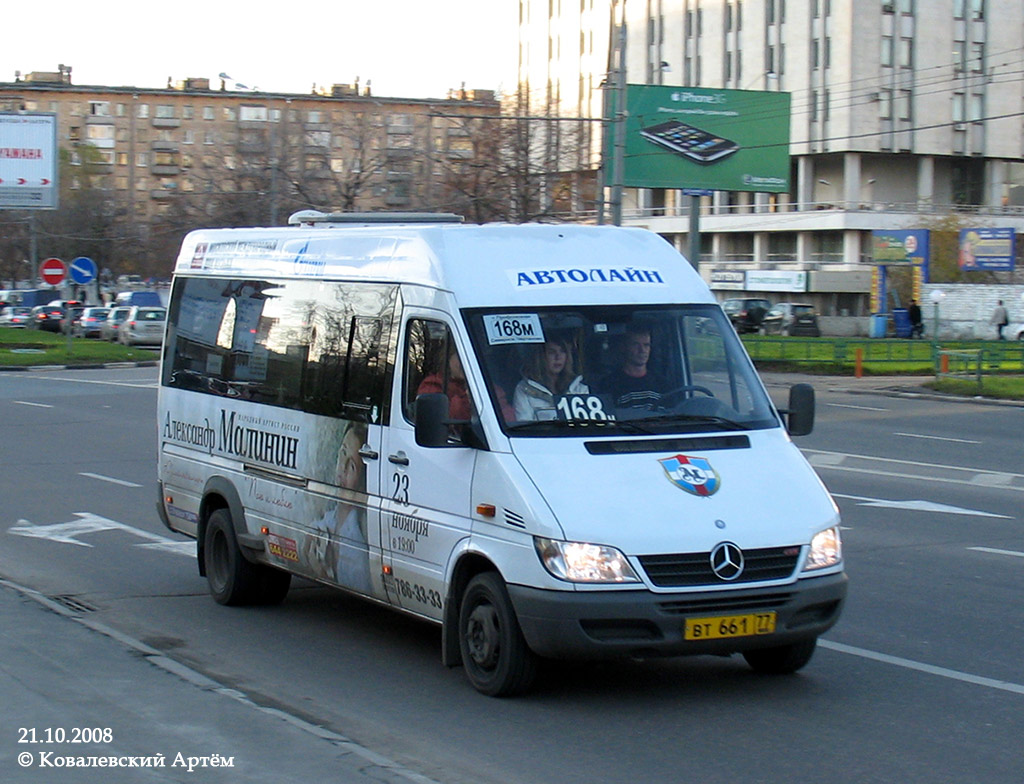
{"x":700,"y":138}
{"x":901,"y":246}
{"x":28,"y":161}
{"x":986,"y":249}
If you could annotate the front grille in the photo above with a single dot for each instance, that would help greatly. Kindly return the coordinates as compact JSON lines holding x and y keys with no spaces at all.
{"x":726,"y":603}
{"x":690,"y":569}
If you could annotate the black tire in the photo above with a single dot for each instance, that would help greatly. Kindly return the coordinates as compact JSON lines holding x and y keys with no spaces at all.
{"x":495,"y":656}
{"x":233,"y":580}
{"x":782,"y":660}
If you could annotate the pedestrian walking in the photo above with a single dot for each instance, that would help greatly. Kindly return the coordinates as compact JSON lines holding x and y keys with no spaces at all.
{"x":1000,"y":318}
{"x":916,"y":321}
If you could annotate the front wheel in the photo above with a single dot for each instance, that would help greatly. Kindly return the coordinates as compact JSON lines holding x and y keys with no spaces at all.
{"x":495,"y":656}
{"x":784,"y":659}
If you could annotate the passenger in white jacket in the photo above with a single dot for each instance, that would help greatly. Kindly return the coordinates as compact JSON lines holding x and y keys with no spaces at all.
{"x":549,"y":374}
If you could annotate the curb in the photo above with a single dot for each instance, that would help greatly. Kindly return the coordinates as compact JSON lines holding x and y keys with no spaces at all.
{"x":95,"y":366}
{"x":377,"y":765}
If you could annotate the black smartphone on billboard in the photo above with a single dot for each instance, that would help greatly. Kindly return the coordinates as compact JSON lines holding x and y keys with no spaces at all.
{"x":691,"y":142}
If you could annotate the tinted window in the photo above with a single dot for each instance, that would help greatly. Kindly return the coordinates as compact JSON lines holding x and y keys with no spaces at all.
{"x":308,"y":345}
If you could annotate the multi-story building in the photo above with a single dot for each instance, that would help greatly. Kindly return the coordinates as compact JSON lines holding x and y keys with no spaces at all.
{"x":151,"y":151}
{"x":905,"y":113}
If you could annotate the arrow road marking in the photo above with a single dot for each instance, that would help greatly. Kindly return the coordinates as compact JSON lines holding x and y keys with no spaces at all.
{"x":918,"y":506}
{"x":92,"y":523}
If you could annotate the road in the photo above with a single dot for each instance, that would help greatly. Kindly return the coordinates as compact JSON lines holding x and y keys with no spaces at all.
{"x":921,"y":681}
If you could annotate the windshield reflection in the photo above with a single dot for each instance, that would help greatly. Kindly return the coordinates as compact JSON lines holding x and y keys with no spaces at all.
{"x":617,"y":370}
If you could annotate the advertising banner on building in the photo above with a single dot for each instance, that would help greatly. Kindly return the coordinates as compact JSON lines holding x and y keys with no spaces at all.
{"x":28,"y":161}
{"x":987,"y":249}
{"x":776,"y":280}
{"x":700,"y":138}
{"x":907,"y":247}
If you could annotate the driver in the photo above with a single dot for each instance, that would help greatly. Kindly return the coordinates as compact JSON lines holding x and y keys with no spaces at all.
{"x":633,"y":384}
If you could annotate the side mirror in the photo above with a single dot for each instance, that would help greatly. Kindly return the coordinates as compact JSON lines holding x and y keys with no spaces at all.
{"x":434,"y":428}
{"x":800,"y":415}
{"x":432,"y":420}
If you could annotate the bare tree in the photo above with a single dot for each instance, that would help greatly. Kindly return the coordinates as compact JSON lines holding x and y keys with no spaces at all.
{"x":516,"y":169}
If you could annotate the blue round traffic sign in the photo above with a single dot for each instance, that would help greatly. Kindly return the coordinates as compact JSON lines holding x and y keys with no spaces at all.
{"x":83,"y":270}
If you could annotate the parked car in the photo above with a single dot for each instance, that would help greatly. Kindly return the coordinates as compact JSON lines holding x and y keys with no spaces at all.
{"x":112,"y":323}
{"x":47,"y":317}
{"x":791,"y":318}
{"x":746,"y":314}
{"x":15,"y":316}
{"x":90,"y":323}
{"x":143,"y":327}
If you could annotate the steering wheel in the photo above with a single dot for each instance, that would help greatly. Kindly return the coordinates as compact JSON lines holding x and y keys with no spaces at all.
{"x":680,"y":391}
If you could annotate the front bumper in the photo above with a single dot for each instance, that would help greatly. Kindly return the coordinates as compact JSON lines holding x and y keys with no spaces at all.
{"x":615,"y":624}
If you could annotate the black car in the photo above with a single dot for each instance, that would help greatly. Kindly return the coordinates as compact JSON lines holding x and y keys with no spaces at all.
{"x":746,"y":314}
{"x":47,"y":317}
{"x":791,"y":318}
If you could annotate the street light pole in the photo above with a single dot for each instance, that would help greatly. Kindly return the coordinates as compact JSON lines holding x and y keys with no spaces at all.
{"x":619,"y":120}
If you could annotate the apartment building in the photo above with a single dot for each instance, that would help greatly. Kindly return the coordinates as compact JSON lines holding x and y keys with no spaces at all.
{"x":342,"y":148}
{"x":904,"y":114}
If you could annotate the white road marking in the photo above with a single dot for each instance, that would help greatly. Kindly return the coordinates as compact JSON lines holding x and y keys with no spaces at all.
{"x":148,"y":385}
{"x":938,"y":438}
{"x":92,"y":523}
{"x":892,"y":468}
{"x":910,"y":664}
{"x":996,"y":551}
{"x":110,"y":479}
{"x":35,"y":405}
{"x":918,"y":506}
{"x":859,"y":408}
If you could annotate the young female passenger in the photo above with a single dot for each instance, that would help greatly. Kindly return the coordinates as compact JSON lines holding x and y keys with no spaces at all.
{"x":548,"y":375}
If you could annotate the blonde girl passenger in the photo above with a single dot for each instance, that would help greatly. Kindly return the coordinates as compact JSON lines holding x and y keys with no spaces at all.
{"x":548,"y":374}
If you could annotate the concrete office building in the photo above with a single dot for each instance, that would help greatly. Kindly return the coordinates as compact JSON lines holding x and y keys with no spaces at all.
{"x":904,"y":112}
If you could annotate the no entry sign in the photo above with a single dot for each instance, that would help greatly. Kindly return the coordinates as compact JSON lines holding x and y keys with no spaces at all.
{"x":52,"y":271}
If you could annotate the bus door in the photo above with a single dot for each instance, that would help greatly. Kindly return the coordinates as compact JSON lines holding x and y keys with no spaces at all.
{"x":425,"y":492}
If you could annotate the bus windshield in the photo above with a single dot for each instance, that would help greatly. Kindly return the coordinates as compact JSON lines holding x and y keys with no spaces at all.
{"x":593,"y":370}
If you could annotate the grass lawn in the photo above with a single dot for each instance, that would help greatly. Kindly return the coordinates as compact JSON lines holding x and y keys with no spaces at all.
{"x":31,"y":347}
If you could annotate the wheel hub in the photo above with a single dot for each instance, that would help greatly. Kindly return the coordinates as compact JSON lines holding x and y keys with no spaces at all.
{"x":482,"y":636}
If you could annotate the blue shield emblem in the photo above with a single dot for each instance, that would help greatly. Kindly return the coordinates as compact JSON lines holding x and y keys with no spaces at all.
{"x":693,"y":474}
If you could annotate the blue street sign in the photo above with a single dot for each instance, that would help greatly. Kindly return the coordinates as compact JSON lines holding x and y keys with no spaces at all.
{"x":83,"y":270}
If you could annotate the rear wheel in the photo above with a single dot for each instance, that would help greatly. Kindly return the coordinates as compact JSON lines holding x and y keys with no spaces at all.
{"x":232,"y":579}
{"x":495,"y":655}
{"x":784,"y":659}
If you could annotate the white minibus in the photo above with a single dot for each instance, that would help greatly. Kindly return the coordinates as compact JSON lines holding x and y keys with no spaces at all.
{"x":546,"y":439}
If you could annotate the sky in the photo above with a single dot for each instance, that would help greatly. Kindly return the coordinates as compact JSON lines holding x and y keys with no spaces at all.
{"x":405,"y":48}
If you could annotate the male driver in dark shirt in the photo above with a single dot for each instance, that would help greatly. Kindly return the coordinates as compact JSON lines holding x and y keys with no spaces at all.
{"x":633,"y":385}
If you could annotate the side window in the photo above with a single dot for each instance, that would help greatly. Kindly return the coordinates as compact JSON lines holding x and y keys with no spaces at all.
{"x":432,"y":365}
{"x":294,"y":344}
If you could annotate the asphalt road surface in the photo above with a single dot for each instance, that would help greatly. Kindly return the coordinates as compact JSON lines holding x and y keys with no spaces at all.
{"x":922,"y":680}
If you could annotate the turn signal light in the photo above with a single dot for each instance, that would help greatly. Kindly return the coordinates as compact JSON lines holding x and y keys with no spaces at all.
{"x":486,"y":510}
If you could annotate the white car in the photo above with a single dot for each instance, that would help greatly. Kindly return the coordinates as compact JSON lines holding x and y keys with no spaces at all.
{"x":15,"y":316}
{"x":143,"y":327}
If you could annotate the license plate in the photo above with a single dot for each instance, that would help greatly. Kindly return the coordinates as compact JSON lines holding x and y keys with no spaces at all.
{"x":722,"y":626}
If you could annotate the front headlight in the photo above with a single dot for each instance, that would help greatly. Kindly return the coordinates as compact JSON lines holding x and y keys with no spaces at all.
{"x":580,"y":562}
{"x":826,"y":549}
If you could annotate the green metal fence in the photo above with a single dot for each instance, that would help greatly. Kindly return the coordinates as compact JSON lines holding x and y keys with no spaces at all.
{"x":920,"y":354}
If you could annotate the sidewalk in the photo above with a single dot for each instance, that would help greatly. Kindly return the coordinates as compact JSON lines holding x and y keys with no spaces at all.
{"x":891,"y":386}
{"x":149,"y":719}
